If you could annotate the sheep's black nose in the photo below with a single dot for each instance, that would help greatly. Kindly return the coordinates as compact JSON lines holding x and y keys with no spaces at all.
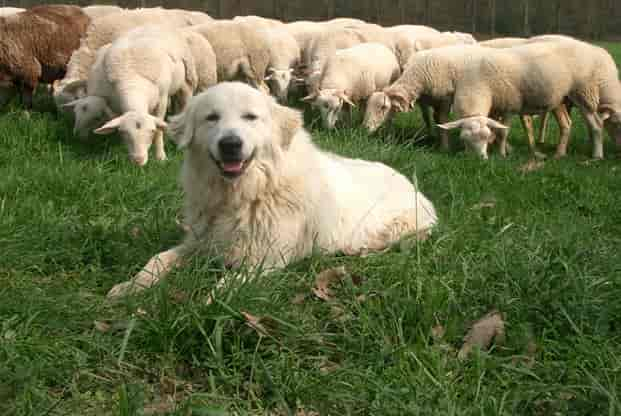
{"x":230,"y":146}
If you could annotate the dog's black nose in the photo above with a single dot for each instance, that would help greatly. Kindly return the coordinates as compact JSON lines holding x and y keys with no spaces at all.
{"x":230,"y":145}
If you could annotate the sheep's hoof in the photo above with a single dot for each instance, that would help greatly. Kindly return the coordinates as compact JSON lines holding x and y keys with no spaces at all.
{"x":161,"y":158}
{"x":538,"y":155}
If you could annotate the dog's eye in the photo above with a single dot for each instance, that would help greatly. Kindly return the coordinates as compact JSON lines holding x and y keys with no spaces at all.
{"x":250,"y":116}
{"x":213,"y":117}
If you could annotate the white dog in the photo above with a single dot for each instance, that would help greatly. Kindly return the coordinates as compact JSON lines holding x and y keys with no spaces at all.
{"x":259,"y":193}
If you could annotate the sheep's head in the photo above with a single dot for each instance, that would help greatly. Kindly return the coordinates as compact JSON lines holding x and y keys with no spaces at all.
{"x":611,"y":117}
{"x":279,"y":81}
{"x":137,"y":130}
{"x":382,"y":106}
{"x":89,"y":111}
{"x":476,"y":132}
{"x":65,"y":92}
{"x":330,"y":103}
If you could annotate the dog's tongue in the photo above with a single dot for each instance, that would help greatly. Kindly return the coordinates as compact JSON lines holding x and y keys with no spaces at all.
{"x":232,"y":167}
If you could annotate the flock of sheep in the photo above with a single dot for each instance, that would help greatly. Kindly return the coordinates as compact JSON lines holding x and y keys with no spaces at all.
{"x":124,"y":70}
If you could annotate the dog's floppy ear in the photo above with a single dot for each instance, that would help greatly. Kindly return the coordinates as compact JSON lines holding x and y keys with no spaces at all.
{"x":287,"y":123}
{"x":181,"y":127}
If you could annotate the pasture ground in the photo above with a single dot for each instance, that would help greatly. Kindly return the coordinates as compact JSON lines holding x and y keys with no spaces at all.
{"x":542,"y":247}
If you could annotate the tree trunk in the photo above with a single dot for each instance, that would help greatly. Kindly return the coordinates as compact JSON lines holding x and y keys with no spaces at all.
{"x":558,"y":16}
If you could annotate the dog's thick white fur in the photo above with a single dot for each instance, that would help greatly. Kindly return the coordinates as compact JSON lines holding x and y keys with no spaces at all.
{"x":281,"y":197}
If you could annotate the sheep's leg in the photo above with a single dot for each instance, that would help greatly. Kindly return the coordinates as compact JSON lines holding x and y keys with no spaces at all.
{"x":503,"y":135}
{"x":595,"y":129}
{"x":27,"y":93}
{"x":563,"y":120}
{"x":441,"y":115}
{"x":543,"y":130}
{"x":158,"y":141}
{"x":425,"y":111}
{"x":155,"y":270}
{"x":528,"y":125}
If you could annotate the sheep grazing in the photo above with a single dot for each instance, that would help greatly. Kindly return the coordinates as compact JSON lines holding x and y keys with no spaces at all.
{"x":561,"y":114}
{"x":284,"y":58}
{"x":322,"y":47}
{"x":535,"y":78}
{"x":35,"y":46}
{"x":107,"y":29}
{"x":135,"y":80}
{"x":8,"y":11}
{"x":242,"y":51}
{"x":350,"y":77}
{"x":430,"y":75}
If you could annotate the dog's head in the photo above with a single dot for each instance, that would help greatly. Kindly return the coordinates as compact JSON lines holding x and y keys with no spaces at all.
{"x":232,"y":125}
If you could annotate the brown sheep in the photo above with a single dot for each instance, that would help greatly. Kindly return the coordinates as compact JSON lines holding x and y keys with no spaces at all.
{"x":35,"y":46}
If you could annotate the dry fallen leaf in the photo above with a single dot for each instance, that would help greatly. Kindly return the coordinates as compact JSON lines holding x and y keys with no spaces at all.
{"x":255,"y":323}
{"x":487,"y":329}
{"x":165,"y":406}
{"x":437,"y":332}
{"x":298,"y":299}
{"x":102,"y":326}
{"x":325,"y":279}
{"x":484,"y":204}
{"x":531,"y":165}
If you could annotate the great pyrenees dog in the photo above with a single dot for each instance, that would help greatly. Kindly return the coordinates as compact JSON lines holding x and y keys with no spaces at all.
{"x":260,"y":194}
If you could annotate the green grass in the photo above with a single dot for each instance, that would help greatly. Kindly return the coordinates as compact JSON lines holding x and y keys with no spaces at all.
{"x":77,"y":217}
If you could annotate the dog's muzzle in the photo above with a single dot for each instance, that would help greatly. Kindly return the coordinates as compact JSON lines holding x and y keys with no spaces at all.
{"x":231,"y":162}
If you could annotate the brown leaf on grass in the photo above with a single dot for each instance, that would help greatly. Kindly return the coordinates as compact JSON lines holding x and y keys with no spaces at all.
{"x":437,"y":332}
{"x":487,"y":329}
{"x":531,"y":166}
{"x":164,"y":406}
{"x":102,"y":326}
{"x":298,"y":299}
{"x":483,"y":205}
{"x":262,"y":325}
{"x":328,"y":367}
{"x":135,"y":232}
{"x":325,"y":279}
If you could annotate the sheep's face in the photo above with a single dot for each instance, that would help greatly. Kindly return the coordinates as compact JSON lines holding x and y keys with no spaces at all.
{"x":137,"y":131}
{"x":476,"y":132}
{"x":379,"y":109}
{"x":89,"y":112}
{"x":330,"y":107}
{"x":278,"y":81}
{"x":612,"y":124}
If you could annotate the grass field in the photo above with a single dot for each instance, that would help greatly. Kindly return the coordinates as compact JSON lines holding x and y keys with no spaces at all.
{"x":542,"y":247}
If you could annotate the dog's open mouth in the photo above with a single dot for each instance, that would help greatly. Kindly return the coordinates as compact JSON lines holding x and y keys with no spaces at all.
{"x":232,"y":169}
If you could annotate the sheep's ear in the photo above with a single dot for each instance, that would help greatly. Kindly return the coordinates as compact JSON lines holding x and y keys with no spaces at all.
{"x":287,"y":122}
{"x":110,"y":127}
{"x":452,"y":125}
{"x":398,"y":101}
{"x":310,"y":97}
{"x":75,"y":87}
{"x":343,"y":96}
{"x":72,"y":104}
{"x":605,"y":111}
{"x":181,"y":128}
{"x":495,"y":124}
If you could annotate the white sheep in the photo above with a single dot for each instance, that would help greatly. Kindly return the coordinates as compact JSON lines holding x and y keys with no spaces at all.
{"x":284,"y":58}
{"x":321,"y":48}
{"x":97,"y":11}
{"x":136,"y":80}
{"x":8,"y":11}
{"x":242,"y":51}
{"x":105,"y":30}
{"x":534,"y":78}
{"x":259,"y":21}
{"x":350,"y":77}
{"x":430,"y":75}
